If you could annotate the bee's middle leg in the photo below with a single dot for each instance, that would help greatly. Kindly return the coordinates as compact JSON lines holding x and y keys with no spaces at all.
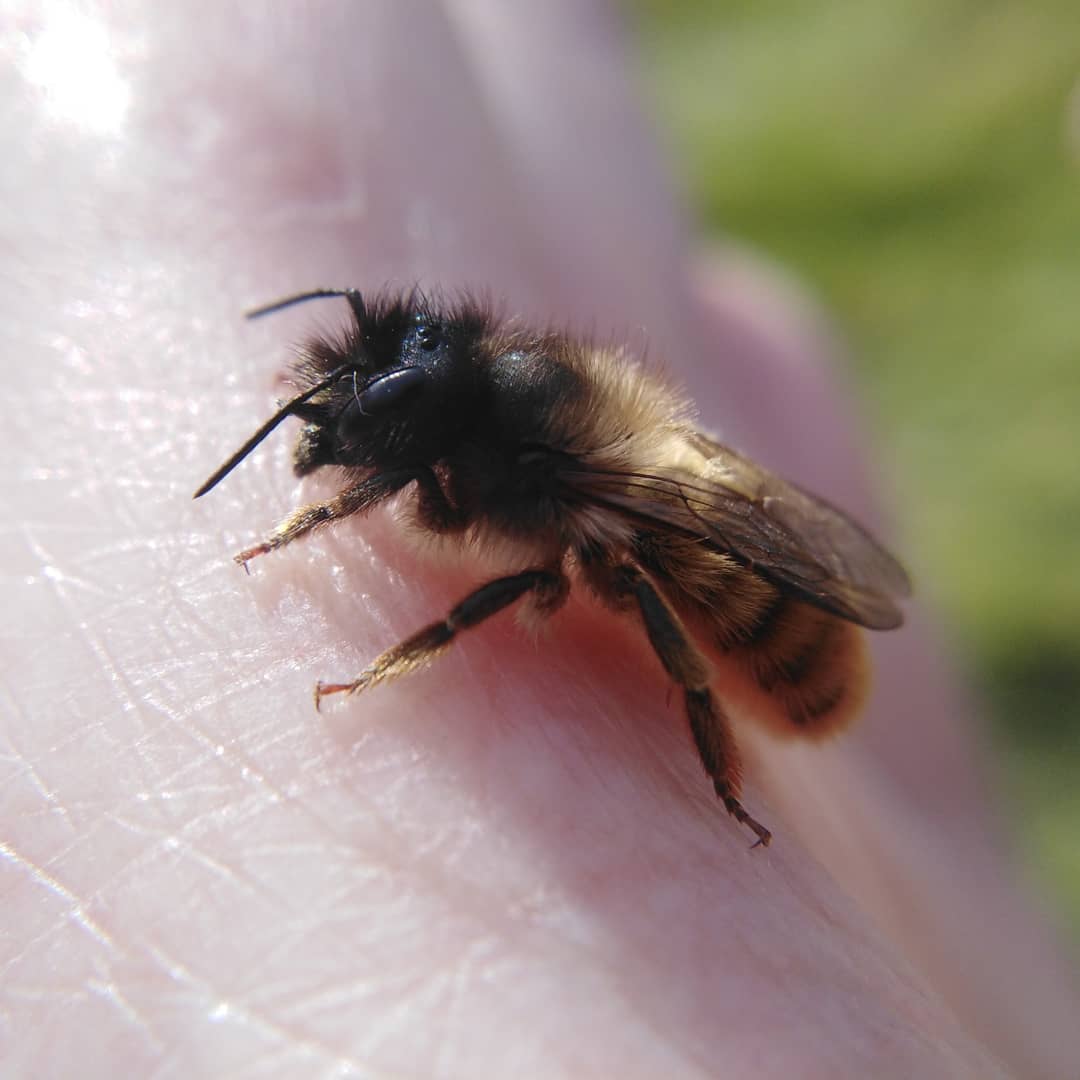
{"x":549,"y":589}
{"x":685,"y":664}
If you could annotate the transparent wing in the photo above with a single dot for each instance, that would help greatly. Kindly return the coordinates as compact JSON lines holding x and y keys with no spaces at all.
{"x":785,"y":534}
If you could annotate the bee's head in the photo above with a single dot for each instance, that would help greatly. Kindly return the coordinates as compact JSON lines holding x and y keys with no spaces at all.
{"x":395,"y":390}
{"x":408,"y":389}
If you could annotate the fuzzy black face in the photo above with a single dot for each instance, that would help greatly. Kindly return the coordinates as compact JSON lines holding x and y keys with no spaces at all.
{"x":404,"y":387}
{"x":397,"y":390}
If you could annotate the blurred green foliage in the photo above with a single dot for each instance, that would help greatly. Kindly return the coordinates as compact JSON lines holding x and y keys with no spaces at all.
{"x":917,"y":162}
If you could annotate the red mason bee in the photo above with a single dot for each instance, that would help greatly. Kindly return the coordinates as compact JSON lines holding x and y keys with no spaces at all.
{"x":590,"y":470}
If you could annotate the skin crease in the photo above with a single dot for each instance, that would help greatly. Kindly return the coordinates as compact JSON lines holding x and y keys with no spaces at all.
{"x":509,"y":864}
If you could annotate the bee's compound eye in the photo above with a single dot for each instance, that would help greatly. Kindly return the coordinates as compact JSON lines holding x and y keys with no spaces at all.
{"x":388,"y":390}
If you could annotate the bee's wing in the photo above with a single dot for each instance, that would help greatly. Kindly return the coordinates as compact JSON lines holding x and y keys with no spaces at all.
{"x":787,"y":535}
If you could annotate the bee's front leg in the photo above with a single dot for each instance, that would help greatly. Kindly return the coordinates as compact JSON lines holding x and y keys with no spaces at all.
{"x":354,"y":500}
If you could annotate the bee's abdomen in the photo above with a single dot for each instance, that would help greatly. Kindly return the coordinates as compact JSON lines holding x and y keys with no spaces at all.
{"x":809,"y":661}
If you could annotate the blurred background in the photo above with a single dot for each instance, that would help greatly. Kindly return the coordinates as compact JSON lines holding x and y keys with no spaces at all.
{"x":917,"y":164}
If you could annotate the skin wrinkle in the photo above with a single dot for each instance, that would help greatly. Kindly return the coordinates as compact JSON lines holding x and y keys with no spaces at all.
{"x":23,"y":766}
{"x":152,"y":854}
{"x":177,"y":847}
{"x":108,"y":992}
{"x":76,"y":905}
{"x":463,"y":973}
{"x":193,"y":826}
{"x":442,"y":887}
{"x":244,"y":1014}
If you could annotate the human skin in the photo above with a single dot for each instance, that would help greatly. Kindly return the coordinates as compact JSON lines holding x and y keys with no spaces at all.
{"x":509,"y":864}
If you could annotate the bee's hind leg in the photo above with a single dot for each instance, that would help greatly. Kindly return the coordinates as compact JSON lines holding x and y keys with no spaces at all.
{"x":549,"y":589}
{"x":685,"y":664}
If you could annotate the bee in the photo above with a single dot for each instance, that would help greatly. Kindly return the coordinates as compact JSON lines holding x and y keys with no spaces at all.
{"x":587,"y":467}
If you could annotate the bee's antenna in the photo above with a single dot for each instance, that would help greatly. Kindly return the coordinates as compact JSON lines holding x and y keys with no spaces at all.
{"x":286,"y":410}
{"x":353,"y":296}
{"x":356,"y":304}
